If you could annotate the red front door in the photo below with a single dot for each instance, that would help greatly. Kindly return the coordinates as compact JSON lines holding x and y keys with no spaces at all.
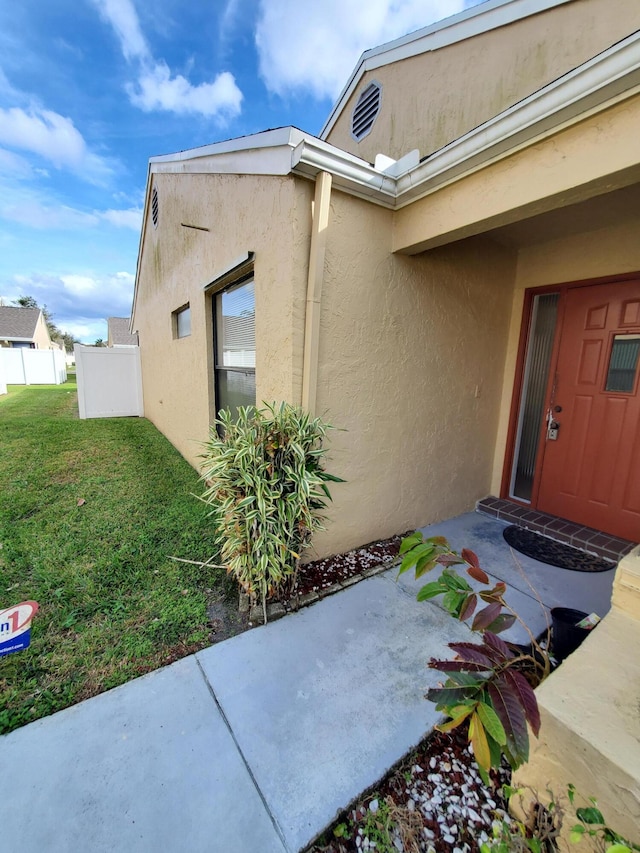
{"x":591,"y":470}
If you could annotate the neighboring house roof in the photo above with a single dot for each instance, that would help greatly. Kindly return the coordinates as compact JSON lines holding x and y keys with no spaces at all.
{"x":119,"y":334}
{"x":18,"y":324}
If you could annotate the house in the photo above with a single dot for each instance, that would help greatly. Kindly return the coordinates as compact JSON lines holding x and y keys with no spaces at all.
{"x":118,"y":334}
{"x":414,"y":273}
{"x":24,"y":327}
{"x":450,"y":273}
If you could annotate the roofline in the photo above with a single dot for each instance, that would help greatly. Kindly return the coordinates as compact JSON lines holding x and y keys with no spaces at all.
{"x":15,"y":338}
{"x":597,"y":84}
{"x":264,"y":139}
{"x":471,"y":22}
{"x":604,"y":80}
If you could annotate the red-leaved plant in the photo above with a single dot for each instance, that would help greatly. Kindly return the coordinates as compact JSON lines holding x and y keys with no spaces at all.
{"x":490,"y":683}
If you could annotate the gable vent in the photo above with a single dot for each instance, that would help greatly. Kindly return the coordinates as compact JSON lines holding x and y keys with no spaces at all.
{"x":365,"y":111}
{"x":154,"y":207}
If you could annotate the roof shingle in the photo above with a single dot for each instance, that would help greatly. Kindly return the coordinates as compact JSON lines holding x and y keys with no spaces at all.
{"x":18,"y":323}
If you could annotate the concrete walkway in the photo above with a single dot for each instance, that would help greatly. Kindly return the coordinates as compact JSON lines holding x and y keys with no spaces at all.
{"x":253,"y":744}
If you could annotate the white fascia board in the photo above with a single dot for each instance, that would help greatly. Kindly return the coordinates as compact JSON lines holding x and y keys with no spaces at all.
{"x":256,"y":161}
{"x":598,"y":83}
{"x":593,"y":86}
{"x":254,"y":142}
{"x":247,"y":154}
{"x":479,"y":19}
{"x":282,"y":152}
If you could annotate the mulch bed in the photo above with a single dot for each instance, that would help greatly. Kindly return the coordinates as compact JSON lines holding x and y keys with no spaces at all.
{"x":319,"y":575}
{"x":316,"y":580}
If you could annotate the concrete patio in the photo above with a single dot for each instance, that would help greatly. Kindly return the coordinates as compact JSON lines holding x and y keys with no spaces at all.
{"x":256,"y":743}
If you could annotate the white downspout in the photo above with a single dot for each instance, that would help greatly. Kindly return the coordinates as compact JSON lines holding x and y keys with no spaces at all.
{"x":319,"y":228}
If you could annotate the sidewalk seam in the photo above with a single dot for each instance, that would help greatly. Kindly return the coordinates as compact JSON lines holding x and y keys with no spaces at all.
{"x":272,"y":817}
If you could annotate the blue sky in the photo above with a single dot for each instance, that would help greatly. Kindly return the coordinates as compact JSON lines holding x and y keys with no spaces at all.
{"x":90,"y":89}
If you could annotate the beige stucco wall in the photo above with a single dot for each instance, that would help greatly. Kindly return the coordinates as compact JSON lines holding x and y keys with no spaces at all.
{"x":434,"y":98}
{"x":593,"y":254}
{"x":41,"y":335}
{"x":268,"y":215}
{"x":590,"y":729}
{"x":411,"y":359}
{"x":411,"y":348}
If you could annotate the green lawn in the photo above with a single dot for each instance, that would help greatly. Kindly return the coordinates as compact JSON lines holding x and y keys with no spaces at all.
{"x":112,"y":603}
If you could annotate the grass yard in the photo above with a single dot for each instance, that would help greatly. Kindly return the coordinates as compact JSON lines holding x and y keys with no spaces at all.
{"x":112,"y":603}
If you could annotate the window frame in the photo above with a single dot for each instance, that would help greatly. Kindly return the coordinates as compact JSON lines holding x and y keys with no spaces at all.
{"x":175,"y":321}
{"x":218,"y":368}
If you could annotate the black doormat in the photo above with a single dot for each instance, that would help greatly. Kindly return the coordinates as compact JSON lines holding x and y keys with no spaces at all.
{"x":553,"y":553}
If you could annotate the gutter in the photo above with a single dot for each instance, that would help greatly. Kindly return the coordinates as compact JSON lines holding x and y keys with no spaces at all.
{"x":351,"y":174}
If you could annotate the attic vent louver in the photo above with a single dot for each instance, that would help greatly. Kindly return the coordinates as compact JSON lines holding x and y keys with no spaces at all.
{"x":154,"y":207}
{"x":365,"y":111}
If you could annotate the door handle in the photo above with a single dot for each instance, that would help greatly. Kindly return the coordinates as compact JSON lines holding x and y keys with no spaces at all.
{"x":552,"y":430}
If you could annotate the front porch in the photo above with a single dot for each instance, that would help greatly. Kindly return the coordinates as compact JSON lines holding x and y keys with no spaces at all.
{"x":568,"y":532}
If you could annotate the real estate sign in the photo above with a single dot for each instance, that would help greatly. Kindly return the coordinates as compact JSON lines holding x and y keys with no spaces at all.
{"x":15,"y":627}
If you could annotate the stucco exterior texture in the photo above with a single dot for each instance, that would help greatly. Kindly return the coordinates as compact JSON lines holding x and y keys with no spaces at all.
{"x":420,"y":314}
{"x":590,"y":729}
{"x":411,"y":349}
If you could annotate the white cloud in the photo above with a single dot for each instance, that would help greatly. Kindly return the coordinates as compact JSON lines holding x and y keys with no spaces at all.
{"x":158,"y":90}
{"x":317,"y":51}
{"x":33,"y":214}
{"x":155,"y":87}
{"x":131,"y":218}
{"x":80,"y":301}
{"x":122,"y":16}
{"x":53,"y":137}
{"x":14,"y":166}
{"x":26,"y":208}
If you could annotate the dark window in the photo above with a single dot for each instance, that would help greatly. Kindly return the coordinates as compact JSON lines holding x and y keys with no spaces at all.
{"x":235,"y":346}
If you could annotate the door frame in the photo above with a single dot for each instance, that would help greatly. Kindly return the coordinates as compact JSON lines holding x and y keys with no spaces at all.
{"x":516,"y":395}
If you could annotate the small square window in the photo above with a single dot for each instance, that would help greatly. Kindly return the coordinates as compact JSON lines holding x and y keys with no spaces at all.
{"x":623,"y":364}
{"x":182,"y":322}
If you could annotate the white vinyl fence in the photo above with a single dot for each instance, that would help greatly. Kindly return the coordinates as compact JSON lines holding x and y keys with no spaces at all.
{"x":109,"y":382}
{"x":24,"y":366}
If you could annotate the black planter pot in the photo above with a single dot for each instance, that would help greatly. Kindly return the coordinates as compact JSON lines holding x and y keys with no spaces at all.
{"x":566,"y":636}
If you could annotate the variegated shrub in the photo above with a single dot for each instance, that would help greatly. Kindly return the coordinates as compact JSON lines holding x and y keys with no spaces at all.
{"x":267,"y":489}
